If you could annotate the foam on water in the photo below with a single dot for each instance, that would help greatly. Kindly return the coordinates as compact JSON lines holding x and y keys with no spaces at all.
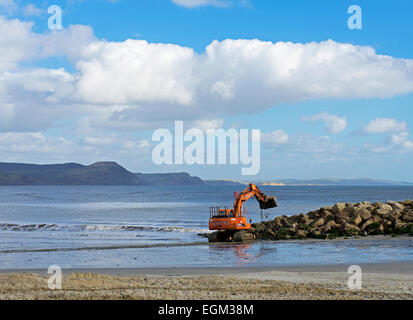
{"x":55,"y":227}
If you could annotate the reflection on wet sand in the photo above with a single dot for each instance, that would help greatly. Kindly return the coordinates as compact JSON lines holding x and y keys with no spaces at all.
{"x":243,"y":252}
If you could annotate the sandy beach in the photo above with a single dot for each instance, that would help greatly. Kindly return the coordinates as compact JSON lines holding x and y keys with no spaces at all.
{"x":380,"y":281}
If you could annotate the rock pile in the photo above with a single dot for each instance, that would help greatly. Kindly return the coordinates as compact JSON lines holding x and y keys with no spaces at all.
{"x":342,"y":219}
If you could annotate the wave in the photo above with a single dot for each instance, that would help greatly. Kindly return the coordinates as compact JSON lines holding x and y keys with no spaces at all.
{"x":117,"y":205}
{"x":97,"y":227}
{"x":28,"y":227}
{"x":183,"y":229}
{"x":141,"y":246}
{"x":33,"y":196}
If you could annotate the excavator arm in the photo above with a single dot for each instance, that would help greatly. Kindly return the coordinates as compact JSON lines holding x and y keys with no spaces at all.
{"x":265,"y":201}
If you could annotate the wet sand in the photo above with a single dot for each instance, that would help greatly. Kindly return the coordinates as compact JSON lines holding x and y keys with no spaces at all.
{"x":380,"y":281}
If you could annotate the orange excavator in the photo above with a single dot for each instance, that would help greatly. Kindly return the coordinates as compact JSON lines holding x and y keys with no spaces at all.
{"x":236,"y":218}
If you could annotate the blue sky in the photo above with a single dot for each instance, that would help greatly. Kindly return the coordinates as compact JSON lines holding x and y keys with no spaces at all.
{"x":326,"y":125}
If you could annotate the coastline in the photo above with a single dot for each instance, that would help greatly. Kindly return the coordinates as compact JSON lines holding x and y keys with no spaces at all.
{"x":392,"y":280}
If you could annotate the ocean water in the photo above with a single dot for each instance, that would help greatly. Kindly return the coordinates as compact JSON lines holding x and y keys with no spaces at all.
{"x":134,"y":226}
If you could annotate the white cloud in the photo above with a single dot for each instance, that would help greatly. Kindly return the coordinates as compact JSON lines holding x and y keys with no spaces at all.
{"x":211,"y":124}
{"x":38,"y":148}
{"x":135,"y":71}
{"x":31,"y":10}
{"x":16,"y":42}
{"x":235,"y":76}
{"x":334,"y":124}
{"x":397,"y":139}
{"x":275,"y":137}
{"x":402,"y":140}
{"x":136,"y":85}
{"x":9,"y":6}
{"x":383,"y":125}
{"x":33,"y":99}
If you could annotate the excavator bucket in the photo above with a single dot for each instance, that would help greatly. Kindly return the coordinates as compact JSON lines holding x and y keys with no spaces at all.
{"x":268,"y":203}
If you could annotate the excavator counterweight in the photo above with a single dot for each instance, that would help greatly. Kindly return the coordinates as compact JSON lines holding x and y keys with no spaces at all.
{"x":235,"y":218}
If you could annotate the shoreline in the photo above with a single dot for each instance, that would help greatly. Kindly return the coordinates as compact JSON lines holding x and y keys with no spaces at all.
{"x":206,"y":243}
{"x":379,"y":281}
{"x":391,"y":267}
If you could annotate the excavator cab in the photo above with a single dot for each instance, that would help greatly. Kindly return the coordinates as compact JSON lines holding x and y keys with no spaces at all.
{"x":236,"y":218}
{"x":225,"y":219}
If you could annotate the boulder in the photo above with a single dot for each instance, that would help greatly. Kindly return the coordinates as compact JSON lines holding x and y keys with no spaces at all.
{"x":400,"y":225}
{"x":220,"y":236}
{"x":328,"y":226}
{"x":408,"y":217}
{"x":397,"y":206}
{"x":338,"y":207}
{"x":284,"y":221}
{"x":341,"y":217}
{"x":305,"y":220}
{"x":301,"y":234}
{"x":314,"y":214}
{"x":375,"y":228}
{"x":408,"y":203}
{"x":348,"y":228}
{"x":356,"y":220}
{"x":364,"y":214}
{"x":384,"y":207}
{"x":327,"y":208}
{"x":349,"y":210}
{"x":243,"y":235}
{"x":319,"y":222}
{"x":377,"y":219}
{"x":366,"y":224}
{"x":386,"y":223}
{"x":327,"y":215}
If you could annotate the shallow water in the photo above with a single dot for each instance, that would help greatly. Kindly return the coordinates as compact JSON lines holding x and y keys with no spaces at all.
{"x":128,"y":226}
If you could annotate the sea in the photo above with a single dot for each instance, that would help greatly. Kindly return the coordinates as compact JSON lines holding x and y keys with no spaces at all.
{"x":152,"y":226}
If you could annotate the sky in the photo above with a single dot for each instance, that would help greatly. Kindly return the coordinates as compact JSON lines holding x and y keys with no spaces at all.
{"x":329,"y":101}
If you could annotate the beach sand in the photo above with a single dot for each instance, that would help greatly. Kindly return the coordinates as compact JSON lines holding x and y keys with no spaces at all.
{"x":379,"y":281}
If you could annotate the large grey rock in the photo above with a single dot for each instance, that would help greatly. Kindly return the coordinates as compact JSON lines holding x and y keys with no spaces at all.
{"x":400,"y":225}
{"x":305,"y":220}
{"x":220,"y":236}
{"x":327,"y":214}
{"x":338,"y":207}
{"x":384,"y":207}
{"x":328,"y":226}
{"x":301,"y":234}
{"x":364,"y":214}
{"x":356,"y":220}
{"x":348,"y":228}
{"x":349,"y":210}
{"x":243,"y":235}
{"x":366,"y":224}
{"x":319,"y":222}
{"x":375,"y":229}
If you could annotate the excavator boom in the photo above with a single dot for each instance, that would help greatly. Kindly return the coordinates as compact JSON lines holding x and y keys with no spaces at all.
{"x":235,"y":218}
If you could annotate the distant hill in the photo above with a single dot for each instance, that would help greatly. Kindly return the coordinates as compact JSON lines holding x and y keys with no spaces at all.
{"x":337,"y":182}
{"x":100,"y":173}
{"x":111,"y":173}
{"x":312,"y":182}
